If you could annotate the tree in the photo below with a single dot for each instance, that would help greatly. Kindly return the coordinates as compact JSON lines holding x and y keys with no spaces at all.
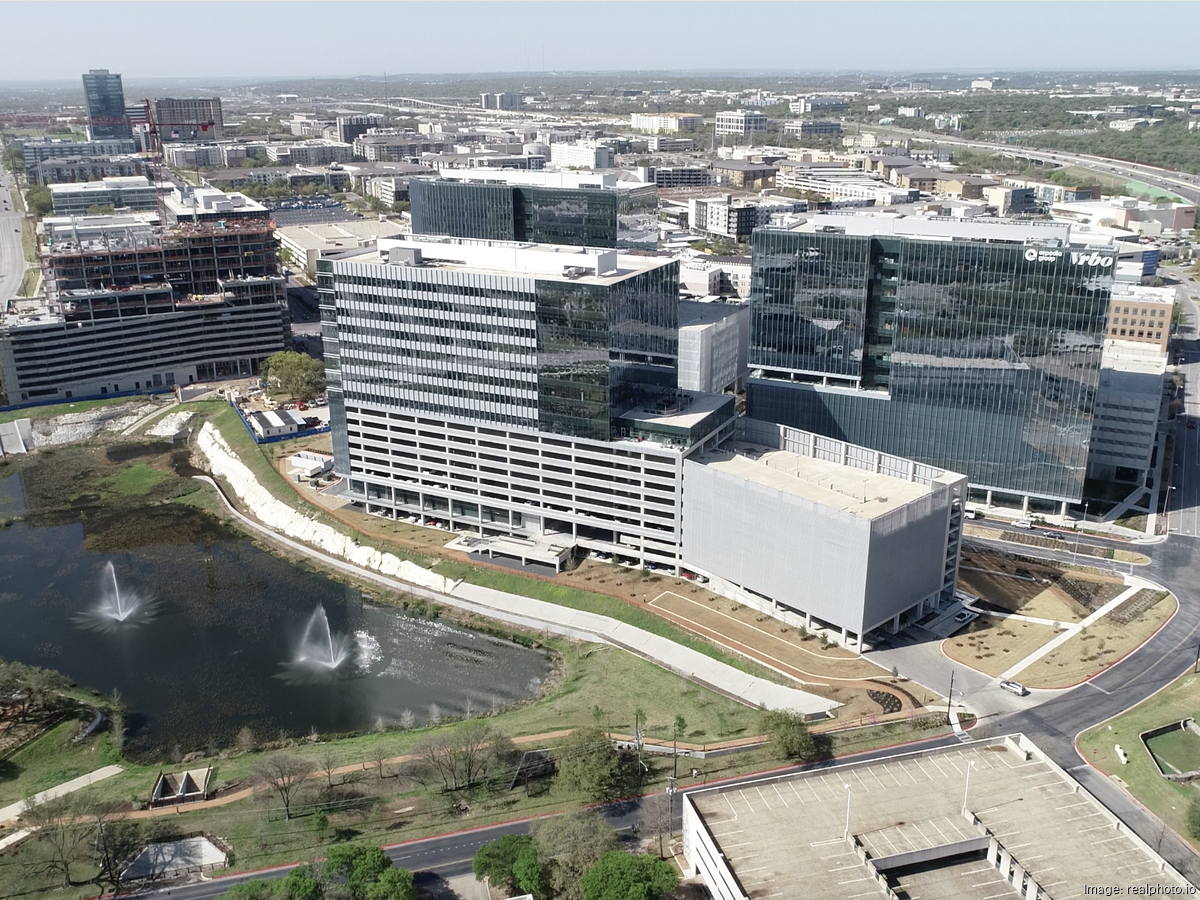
{"x":625,"y":876}
{"x":357,"y":866}
{"x":495,"y":859}
{"x":656,"y":817}
{"x":298,"y":375}
{"x":1193,"y":818}
{"x":789,"y":736}
{"x":284,"y":773}
{"x":301,"y":883}
{"x":529,"y":874}
{"x":118,"y":842}
{"x":470,"y":754}
{"x":379,"y":755}
{"x":570,"y":845}
{"x":394,"y":884}
{"x":588,"y":763}
{"x":100,"y":209}
{"x":39,"y":201}
{"x":64,"y":829}
{"x":260,"y":889}
{"x":326,"y":763}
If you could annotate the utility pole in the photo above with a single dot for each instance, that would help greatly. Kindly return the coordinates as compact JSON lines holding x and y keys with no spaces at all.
{"x":950,"y":698}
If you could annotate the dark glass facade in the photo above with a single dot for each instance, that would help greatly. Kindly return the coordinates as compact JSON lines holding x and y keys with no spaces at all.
{"x":578,"y":217}
{"x":982,"y":358}
{"x":560,"y":356}
{"x":105,"y":100}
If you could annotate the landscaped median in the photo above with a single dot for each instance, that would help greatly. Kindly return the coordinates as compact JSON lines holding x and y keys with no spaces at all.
{"x":1138,"y":772}
{"x":1048,"y":628}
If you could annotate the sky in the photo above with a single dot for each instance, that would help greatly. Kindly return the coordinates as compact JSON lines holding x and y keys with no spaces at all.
{"x":331,"y":38}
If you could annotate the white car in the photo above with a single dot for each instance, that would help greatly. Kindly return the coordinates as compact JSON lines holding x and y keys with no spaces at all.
{"x":1022,"y":523}
{"x":1014,"y":687}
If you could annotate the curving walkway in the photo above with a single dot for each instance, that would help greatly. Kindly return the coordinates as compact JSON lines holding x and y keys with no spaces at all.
{"x":14,"y":810}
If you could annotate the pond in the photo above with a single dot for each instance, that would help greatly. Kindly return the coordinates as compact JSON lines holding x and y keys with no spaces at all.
{"x":214,"y":641}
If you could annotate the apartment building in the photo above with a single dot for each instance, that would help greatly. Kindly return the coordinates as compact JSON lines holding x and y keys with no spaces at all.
{"x":1141,"y":315}
{"x":812,"y":128}
{"x":315,"y":152}
{"x":189,"y":119}
{"x":582,"y":155}
{"x":665,"y":124}
{"x":35,"y":152}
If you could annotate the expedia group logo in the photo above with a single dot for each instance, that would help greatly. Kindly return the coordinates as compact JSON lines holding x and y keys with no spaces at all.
{"x":1078,"y":258}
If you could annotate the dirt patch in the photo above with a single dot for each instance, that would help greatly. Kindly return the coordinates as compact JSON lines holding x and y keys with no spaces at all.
{"x":993,"y":645}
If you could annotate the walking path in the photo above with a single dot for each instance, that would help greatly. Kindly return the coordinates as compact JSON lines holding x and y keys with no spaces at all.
{"x":342,"y":553}
{"x":13,"y":810}
{"x":1135,"y":585}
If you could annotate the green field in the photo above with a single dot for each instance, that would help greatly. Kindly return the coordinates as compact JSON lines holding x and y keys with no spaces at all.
{"x":1166,"y":799}
{"x":1178,"y":751}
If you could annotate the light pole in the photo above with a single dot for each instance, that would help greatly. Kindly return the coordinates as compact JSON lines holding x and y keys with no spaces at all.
{"x":967,"y":786}
{"x":1075,"y":555}
{"x":950,"y":699}
{"x":846,"y":833}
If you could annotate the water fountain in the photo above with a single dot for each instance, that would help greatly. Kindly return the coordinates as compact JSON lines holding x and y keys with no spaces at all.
{"x":112,"y":604}
{"x":320,"y":647}
{"x":115,"y":608}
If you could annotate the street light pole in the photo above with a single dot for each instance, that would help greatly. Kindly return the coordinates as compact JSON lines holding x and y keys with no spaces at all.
{"x":846,"y":833}
{"x":967,"y":786}
{"x":950,"y":698}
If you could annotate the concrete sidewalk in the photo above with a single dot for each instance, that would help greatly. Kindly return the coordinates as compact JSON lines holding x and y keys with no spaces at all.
{"x":542,"y":616}
{"x":1135,"y":585}
{"x":13,"y":810}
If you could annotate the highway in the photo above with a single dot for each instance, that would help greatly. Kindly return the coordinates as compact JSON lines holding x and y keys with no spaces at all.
{"x":12,"y":257}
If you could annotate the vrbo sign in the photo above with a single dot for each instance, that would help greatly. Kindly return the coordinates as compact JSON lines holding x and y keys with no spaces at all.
{"x":1078,"y":257}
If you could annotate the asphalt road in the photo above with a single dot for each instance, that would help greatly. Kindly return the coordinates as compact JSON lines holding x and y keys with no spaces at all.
{"x":12,"y":257}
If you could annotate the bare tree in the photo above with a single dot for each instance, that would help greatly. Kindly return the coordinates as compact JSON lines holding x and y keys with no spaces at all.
{"x":63,"y":829}
{"x":326,"y":763}
{"x":435,"y":714}
{"x":245,"y":739}
{"x":463,"y":757}
{"x":284,"y":773}
{"x":655,"y":818}
{"x":407,"y":719}
{"x":379,"y":755}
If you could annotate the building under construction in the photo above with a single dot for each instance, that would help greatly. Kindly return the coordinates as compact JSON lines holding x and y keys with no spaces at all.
{"x":135,"y":303}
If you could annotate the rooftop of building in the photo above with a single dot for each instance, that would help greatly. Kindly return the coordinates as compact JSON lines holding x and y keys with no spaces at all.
{"x":739,"y":165}
{"x":111,"y":183}
{"x":860,"y":493}
{"x":783,"y":837}
{"x":1141,"y":293}
{"x":1109,"y":203}
{"x":680,"y":409}
{"x":608,"y":179}
{"x":1133,"y":366}
{"x":208,"y":201}
{"x":321,"y":236}
{"x":546,"y":262}
{"x":942,"y":228}
{"x":708,"y":311}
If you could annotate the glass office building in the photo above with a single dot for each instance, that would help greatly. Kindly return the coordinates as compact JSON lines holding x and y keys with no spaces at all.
{"x":105,"y":99}
{"x":545,"y":213}
{"x":978,"y":356}
{"x":517,"y":390}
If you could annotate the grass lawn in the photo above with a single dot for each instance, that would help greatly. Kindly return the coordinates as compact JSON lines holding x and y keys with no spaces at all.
{"x":1086,"y":655}
{"x":58,"y":409}
{"x":1166,"y":799}
{"x":51,"y":759}
{"x":991,"y":645}
{"x":28,"y":283}
{"x":28,"y":241}
{"x":136,"y":479}
{"x":1020,"y":595}
{"x":1177,"y":750}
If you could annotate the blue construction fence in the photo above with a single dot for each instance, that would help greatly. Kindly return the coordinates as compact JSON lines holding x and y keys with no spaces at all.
{"x":276,"y":438}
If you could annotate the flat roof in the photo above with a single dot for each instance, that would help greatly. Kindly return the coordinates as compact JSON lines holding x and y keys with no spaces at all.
{"x":863,"y":494}
{"x":322,"y":235}
{"x":545,"y":262}
{"x":784,"y":837}
{"x":692,"y":410}
{"x":696,"y":312}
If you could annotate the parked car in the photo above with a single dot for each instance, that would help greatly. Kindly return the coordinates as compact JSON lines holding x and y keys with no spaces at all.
{"x":963,"y":616}
{"x":1014,"y":687}
{"x":302,"y":406}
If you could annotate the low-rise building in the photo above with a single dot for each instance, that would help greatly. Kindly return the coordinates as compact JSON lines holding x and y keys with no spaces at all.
{"x":1140,"y":216}
{"x":58,"y":170}
{"x":1011,"y":201}
{"x":189,"y":119}
{"x":582,"y":155}
{"x":707,"y":274}
{"x":819,"y":105}
{"x":679,"y":176}
{"x":37,"y":151}
{"x":316,"y":152}
{"x":276,"y":423}
{"x":308,"y":243}
{"x":987,"y":819}
{"x":740,"y":173}
{"x":812,"y":128}
{"x":740,"y":122}
{"x":1141,"y":315}
{"x":129,"y":192}
{"x":1048,"y":192}
{"x":665,"y":124}
{"x":670,"y":145}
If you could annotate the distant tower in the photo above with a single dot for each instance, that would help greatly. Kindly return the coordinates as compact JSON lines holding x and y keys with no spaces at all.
{"x":105,"y":105}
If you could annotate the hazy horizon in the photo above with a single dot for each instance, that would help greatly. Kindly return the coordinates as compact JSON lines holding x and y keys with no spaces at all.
{"x":335,"y":39}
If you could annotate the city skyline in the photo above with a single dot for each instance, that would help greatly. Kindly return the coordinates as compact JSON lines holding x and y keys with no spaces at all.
{"x":513,"y":37}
